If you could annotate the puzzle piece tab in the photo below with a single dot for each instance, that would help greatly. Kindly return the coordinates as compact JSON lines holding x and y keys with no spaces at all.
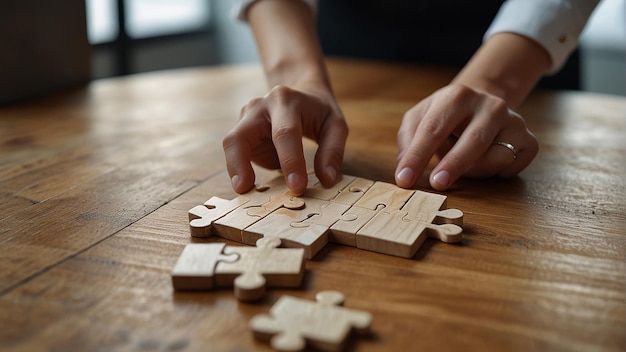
{"x":294,"y":323}
{"x":201,"y":217}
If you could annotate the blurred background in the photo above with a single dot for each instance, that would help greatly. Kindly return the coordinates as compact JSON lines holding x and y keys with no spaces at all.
{"x":162,"y":34}
{"x":42,"y":42}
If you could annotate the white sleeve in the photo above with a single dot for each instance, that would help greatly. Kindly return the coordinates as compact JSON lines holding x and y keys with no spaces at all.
{"x":240,"y":8}
{"x":554,"y":24}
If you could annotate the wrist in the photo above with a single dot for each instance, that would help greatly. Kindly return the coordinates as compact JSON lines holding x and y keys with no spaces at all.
{"x":507,"y":65}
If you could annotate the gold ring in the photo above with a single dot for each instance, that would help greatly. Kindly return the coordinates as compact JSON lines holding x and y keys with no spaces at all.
{"x":508,"y":146}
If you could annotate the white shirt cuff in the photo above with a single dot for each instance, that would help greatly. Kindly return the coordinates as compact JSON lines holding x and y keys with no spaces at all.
{"x":554,"y":24}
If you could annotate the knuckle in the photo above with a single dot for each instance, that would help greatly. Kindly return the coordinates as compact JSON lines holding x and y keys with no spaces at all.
{"x":498,"y":106}
{"x":414,"y":155}
{"x":285,"y":131}
{"x":455,"y":163}
{"x":433,"y":127}
{"x":340,"y":125}
{"x":479,"y":135}
{"x":230,"y":139}
{"x":458,"y":92}
{"x":252,"y":105}
{"x":281,"y":94}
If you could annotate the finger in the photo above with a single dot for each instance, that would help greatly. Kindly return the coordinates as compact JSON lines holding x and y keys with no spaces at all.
{"x":242,"y":144}
{"x":407,"y":129}
{"x":525,"y":155}
{"x":438,"y":122}
{"x":238,"y":155}
{"x":495,"y":159}
{"x":287,"y":137}
{"x":473,"y":143}
{"x":330,"y":151}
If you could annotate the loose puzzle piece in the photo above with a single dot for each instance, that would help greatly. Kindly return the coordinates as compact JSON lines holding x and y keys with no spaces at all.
{"x":203,"y":266}
{"x":257,"y":267}
{"x":295,"y":323}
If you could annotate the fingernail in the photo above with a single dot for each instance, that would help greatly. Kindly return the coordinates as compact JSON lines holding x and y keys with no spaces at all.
{"x":407,"y":176}
{"x":442,"y":178}
{"x":293,"y":181}
{"x":235,"y":181}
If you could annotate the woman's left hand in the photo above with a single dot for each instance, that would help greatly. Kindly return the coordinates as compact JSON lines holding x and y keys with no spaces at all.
{"x":474,"y":134}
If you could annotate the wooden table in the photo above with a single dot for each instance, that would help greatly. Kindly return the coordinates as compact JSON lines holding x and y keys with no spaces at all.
{"x":95,"y":185}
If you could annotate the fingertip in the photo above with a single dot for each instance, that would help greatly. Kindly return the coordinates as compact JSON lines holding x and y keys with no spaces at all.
{"x":296,"y":183}
{"x":327,"y":176}
{"x":441,"y":180}
{"x":405,"y":178}
{"x":240,"y":185}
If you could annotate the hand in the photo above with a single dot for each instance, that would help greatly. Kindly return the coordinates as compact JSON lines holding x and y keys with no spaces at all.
{"x":460,"y":125}
{"x":270,"y":131}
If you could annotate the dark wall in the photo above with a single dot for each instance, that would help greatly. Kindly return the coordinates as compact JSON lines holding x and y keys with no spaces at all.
{"x":43,"y":47}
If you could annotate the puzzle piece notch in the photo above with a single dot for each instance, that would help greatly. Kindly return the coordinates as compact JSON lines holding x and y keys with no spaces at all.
{"x":195,"y":268}
{"x":261,"y":266}
{"x":293,"y":323}
{"x":201,"y":217}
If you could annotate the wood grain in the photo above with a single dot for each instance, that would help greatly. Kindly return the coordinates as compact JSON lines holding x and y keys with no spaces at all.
{"x":96,"y":185}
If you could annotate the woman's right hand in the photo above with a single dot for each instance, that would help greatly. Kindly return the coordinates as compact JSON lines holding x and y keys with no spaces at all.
{"x":270,"y":130}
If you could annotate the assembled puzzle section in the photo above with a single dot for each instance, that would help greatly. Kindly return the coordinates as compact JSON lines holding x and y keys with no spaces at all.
{"x":357,"y":212}
{"x":204,"y":266}
{"x":293,"y":323}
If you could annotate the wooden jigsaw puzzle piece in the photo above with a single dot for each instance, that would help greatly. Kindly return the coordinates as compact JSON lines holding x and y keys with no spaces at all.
{"x":280,"y":201}
{"x":278,"y":225}
{"x":260,"y":266}
{"x":391,"y":196}
{"x":232,"y":224}
{"x":354,"y":191}
{"x":321,"y":216}
{"x":345,"y":229}
{"x":295,"y":323}
{"x":201,"y":217}
{"x":430,"y":209}
{"x":195,"y":268}
{"x":316,"y":190}
{"x":320,"y":212}
{"x":402,"y":232}
{"x":390,"y":233}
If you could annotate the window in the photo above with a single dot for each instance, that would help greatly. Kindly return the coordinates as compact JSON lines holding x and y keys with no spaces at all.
{"x":130,"y":36}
